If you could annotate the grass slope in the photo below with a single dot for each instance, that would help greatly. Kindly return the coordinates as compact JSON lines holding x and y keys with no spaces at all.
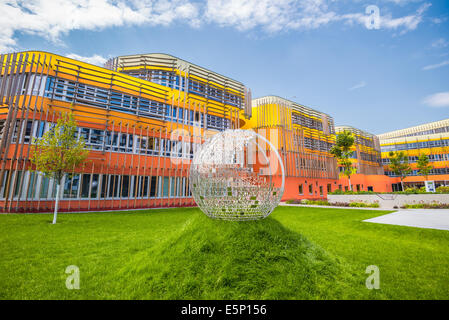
{"x":296,"y":253}
{"x":413,"y":262}
{"x":208,"y":259}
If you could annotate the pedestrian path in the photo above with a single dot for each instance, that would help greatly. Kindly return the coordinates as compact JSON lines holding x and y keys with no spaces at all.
{"x":420,"y":218}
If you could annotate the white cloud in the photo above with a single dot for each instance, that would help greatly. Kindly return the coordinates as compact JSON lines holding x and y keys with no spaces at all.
{"x":295,"y":15}
{"x":387,"y":22}
{"x":435,"y":66}
{"x":358,"y":86}
{"x":95,"y":59}
{"x":440,"y":43}
{"x":438,"y":20}
{"x":52,"y":19}
{"x":437,"y":100}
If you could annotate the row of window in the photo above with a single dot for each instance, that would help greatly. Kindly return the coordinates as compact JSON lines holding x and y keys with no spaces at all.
{"x":435,"y":171}
{"x":172,"y":80}
{"x":304,"y":121}
{"x":415,"y":145}
{"x":102,"y":140}
{"x":432,"y":158}
{"x":70,"y":91}
{"x":311,"y":189}
{"x":364,"y":141}
{"x":312,"y":164}
{"x":366,"y":156}
{"x":370,"y":157}
{"x":329,"y":188}
{"x":95,"y":186}
{"x":426,"y":132}
{"x":316,"y":144}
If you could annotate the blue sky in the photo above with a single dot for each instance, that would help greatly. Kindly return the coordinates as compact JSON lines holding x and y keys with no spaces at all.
{"x":316,"y":52}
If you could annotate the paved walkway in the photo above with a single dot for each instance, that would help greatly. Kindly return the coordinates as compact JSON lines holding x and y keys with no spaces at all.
{"x":420,"y":218}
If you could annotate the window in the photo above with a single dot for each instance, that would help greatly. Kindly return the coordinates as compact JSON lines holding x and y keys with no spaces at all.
{"x":32,"y":185}
{"x":104,"y":186}
{"x":166,"y":186}
{"x":300,"y":189}
{"x":310,"y":189}
{"x":113,"y":186}
{"x":4,"y":183}
{"x":85,"y":184}
{"x":153,"y":187}
{"x":145,"y":187}
{"x":124,"y":186}
{"x":329,"y":188}
{"x":71,"y":184}
{"x":94,"y":186}
{"x":321,"y":190}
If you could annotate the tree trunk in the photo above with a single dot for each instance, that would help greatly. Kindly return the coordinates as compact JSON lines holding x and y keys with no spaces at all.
{"x":402,"y":185}
{"x":350,"y":185}
{"x":55,"y":215}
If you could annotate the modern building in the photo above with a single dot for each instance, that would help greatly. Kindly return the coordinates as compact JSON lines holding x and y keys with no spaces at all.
{"x":366,"y":151}
{"x":142,"y":118}
{"x":366,"y":159}
{"x":431,"y":139}
{"x":304,"y":137}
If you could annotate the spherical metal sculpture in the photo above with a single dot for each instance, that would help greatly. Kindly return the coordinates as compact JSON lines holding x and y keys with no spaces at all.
{"x":231,"y":176}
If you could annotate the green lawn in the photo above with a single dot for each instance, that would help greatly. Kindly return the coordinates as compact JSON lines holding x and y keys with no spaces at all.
{"x":296,"y":253}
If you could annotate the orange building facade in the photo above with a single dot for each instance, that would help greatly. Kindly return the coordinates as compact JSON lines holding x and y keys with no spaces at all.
{"x":143,"y":117}
{"x":367,"y":163}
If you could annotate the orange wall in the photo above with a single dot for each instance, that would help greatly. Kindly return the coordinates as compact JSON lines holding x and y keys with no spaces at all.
{"x":380,"y":183}
{"x":291,"y":191}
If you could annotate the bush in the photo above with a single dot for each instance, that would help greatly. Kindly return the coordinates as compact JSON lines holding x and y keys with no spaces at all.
{"x":315,"y":202}
{"x":339,"y":204}
{"x":434,"y":205}
{"x":364,"y":205}
{"x":412,"y":191}
{"x":338,"y":191}
{"x":443,"y":189}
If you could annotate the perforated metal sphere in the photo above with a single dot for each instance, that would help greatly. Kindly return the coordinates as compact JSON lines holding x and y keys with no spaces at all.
{"x":231,"y":176}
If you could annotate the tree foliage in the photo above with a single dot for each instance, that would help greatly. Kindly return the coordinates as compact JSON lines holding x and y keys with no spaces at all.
{"x":423,"y":165}
{"x":399,"y":165}
{"x":343,"y":153}
{"x":59,"y":150}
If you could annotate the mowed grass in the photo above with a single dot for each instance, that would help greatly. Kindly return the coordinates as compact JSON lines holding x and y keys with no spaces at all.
{"x":296,"y":253}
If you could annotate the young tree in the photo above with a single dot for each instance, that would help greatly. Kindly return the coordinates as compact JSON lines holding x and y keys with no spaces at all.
{"x":58,"y":152}
{"x":342,"y":151}
{"x":399,"y":165}
{"x":423,"y":165}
